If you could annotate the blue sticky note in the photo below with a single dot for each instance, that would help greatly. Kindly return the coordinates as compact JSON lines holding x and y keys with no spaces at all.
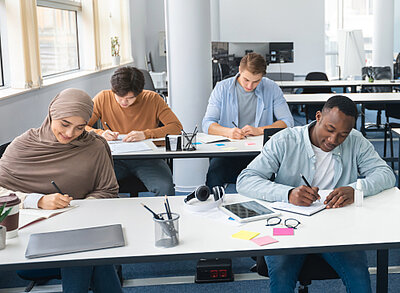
{"x":196,"y":143}
{"x":232,"y":219}
{"x":219,"y":144}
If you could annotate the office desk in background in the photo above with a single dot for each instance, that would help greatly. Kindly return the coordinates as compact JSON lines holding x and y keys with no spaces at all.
{"x":209,"y":150}
{"x":333,"y":230}
{"x":358,"y":98}
{"x":352,"y":84}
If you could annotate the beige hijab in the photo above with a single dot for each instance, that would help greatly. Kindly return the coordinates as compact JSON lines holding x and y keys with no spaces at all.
{"x":81,"y":168}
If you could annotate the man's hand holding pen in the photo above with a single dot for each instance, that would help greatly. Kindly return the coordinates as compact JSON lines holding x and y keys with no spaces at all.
{"x":303,"y":195}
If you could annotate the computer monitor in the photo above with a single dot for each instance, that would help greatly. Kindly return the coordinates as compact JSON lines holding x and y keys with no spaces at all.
{"x":280,"y":53}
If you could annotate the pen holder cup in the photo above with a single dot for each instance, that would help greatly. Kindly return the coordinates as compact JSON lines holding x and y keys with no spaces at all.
{"x":166,"y":230}
{"x":173,"y":143}
{"x":188,"y":141}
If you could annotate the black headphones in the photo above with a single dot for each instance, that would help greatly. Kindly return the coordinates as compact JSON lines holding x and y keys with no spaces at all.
{"x":202,"y":193}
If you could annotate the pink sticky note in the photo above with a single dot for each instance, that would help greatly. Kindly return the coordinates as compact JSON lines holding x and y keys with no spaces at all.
{"x":264,"y":240}
{"x":283,"y":231}
{"x":250,"y":143}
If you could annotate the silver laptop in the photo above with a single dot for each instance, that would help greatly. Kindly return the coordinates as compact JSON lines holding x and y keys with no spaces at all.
{"x":69,"y":241}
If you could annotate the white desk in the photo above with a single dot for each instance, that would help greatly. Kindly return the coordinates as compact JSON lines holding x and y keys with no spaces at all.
{"x":374,"y":226}
{"x":203,"y":150}
{"x":337,"y":83}
{"x":358,"y":98}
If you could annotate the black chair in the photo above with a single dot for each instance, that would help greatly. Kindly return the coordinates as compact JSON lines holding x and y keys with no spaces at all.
{"x":391,"y":111}
{"x":3,"y":148}
{"x":376,"y":73}
{"x":268,"y":132}
{"x":314,"y":268}
{"x":310,"y":110}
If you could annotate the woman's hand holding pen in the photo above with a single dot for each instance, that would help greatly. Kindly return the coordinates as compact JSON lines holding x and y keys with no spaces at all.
{"x":110,"y":135}
{"x":54,"y":201}
{"x":303,"y":195}
{"x":340,"y":197}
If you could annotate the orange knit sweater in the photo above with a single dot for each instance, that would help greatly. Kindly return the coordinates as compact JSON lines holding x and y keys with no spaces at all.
{"x":145,"y":114}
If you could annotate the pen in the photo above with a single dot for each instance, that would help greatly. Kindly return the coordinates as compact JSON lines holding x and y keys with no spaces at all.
{"x":306,"y":182}
{"x":108,"y":126}
{"x":234,"y":124}
{"x":154,"y":214}
{"x":57,"y":188}
{"x":166,"y":209}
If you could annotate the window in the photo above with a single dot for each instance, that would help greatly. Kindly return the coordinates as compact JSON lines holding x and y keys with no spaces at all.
{"x":58,"y":39}
{"x":348,"y":15}
{"x":1,"y":67}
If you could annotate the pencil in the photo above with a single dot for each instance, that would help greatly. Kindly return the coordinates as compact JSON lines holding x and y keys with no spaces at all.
{"x":234,"y":124}
{"x":57,"y":188}
{"x":108,"y":126}
{"x":168,"y":207}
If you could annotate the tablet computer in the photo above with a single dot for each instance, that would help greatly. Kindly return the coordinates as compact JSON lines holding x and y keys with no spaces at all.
{"x":248,"y":211}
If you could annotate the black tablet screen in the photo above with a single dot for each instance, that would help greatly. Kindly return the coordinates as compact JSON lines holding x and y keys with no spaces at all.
{"x":248,"y":209}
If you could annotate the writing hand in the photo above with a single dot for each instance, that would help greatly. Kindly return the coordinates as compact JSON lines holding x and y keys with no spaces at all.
{"x":252,"y":131}
{"x":340,"y":197}
{"x":110,"y":135}
{"x":303,"y":195}
{"x":54,"y":201}
{"x":235,"y":133}
{"x":134,"y":136}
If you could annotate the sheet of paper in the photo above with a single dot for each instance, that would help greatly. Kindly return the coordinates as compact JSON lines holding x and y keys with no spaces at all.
{"x":29,"y":216}
{"x":245,"y":235}
{"x":261,"y":241}
{"x":283,"y":231}
{"x":128,"y":147}
{"x":212,"y":138}
{"x":307,"y":211}
{"x":229,"y":148}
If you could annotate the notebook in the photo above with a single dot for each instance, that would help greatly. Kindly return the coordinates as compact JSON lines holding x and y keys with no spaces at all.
{"x":31,"y":216}
{"x":307,"y":211}
{"x":69,"y":241}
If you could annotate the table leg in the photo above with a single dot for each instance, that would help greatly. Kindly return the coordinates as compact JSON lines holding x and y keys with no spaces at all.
{"x":362,"y":126}
{"x":382,"y":270}
{"x":398,"y":166}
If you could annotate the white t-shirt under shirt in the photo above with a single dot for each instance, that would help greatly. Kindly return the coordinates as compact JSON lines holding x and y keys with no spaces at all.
{"x":324,"y":169}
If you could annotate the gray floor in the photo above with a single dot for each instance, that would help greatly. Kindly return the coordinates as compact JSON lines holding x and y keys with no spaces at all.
{"x":154,"y":271}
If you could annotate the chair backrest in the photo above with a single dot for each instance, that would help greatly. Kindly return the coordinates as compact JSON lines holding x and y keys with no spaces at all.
{"x":3,"y":148}
{"x":317,"y":76}
{"x":318,"y":89}
{"x":148,"y":82}
{"x":280,"y":76}
{"x":268,"y":132}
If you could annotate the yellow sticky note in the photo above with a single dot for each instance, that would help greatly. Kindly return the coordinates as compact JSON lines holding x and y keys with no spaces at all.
{"x":245,"y":235}
{"x":229,"y":149}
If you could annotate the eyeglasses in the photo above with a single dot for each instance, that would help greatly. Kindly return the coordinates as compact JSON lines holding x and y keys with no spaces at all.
{"x":290,"y":222}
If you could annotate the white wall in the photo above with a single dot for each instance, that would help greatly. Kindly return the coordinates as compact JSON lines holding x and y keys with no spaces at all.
{"x":301,"y":22}
{"x":28,"y":110}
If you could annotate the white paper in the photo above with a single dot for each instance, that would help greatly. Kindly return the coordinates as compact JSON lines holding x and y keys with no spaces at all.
{"x":308,"y":211}
{"x":212,"y":138}
{"x":118,"y":147}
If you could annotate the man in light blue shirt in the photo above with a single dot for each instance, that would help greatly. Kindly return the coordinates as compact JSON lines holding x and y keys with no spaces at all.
{"x":331,"y":155}
{"x":243,"y":106}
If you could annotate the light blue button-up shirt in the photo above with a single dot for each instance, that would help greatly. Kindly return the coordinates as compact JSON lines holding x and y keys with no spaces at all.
{"x":223,"y":105}
{"x":289,"y":153}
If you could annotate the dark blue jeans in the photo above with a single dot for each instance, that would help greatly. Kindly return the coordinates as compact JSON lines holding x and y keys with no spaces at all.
{"x":352,"y":267}
{"x":101,"y":279}
{"x":226,"y":170}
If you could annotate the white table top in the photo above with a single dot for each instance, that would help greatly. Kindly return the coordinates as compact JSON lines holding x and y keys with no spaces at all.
{"x":396,"y":130}
{"x":356,"y":97}
{"x":232,"y":148}
{"x":373,"y":226}
{"x":335,"y":83}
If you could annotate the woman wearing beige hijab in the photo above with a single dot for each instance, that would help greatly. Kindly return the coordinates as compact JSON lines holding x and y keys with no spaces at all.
{"x":79,"y":162}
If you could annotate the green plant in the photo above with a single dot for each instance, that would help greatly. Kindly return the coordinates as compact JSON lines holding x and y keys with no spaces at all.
{"x":115,"y":46}
{"x":5,"y":214}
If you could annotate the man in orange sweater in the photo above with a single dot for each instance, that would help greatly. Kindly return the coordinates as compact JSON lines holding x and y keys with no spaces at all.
{"x":128,"y":109}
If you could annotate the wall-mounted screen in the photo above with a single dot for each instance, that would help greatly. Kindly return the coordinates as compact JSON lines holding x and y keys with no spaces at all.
{"x":280,"y":53}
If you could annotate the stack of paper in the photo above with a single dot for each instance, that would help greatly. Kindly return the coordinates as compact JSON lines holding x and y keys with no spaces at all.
{"x":119,"y":147}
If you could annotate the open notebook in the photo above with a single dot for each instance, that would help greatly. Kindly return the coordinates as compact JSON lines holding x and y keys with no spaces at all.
{"x":30,"y":216}
{"x":307,"y":211}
